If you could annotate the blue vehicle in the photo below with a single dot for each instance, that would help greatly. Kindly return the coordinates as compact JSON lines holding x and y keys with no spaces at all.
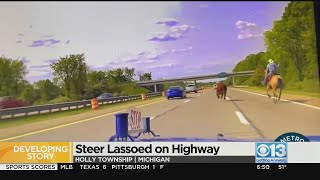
{"x":176,"y":91}
{"x":222,"y":75}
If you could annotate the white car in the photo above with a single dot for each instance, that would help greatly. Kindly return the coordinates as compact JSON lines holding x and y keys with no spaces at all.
{"x":191,"y":88}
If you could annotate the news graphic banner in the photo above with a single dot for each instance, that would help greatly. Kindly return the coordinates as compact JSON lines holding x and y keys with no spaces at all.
{"x":163,"y":152}
{"x":36,"y":152}
{"x":59,"y":155}
{"x":34,"y":155}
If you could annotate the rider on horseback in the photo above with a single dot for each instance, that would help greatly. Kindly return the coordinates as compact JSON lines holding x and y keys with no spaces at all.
{"x":271,"y":69}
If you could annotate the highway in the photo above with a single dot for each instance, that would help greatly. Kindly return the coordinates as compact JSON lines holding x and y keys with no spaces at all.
{"x":241,"y":115}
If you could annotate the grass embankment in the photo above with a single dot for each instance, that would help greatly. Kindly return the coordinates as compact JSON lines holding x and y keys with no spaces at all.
{"x":307,"y":88}
{"x":310,"y":98}
{"x":286,"y":91}
{"x":123,"y":90}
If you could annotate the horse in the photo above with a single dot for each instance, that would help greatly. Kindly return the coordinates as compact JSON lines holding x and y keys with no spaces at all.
{"x":275,"y":82}
{"x":221,"y":90}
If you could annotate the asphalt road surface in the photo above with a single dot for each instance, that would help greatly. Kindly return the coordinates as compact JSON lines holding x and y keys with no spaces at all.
{"x":241,"y":115}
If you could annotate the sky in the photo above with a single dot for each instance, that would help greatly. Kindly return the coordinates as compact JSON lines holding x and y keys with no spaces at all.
{"x":168,"y":39}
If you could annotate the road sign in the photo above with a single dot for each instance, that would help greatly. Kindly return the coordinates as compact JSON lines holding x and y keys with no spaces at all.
{"x":135,"y":121}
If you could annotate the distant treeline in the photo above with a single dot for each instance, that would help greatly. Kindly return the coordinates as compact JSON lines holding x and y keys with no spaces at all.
{"x":72,"y":81}
{"x":291,"y":43}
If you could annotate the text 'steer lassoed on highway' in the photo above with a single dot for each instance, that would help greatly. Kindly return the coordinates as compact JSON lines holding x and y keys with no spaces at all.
{"x":163,"y":152}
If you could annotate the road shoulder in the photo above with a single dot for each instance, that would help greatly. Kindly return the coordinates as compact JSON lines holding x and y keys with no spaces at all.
{"x":304,"y":99}
{"x":40,"y":125}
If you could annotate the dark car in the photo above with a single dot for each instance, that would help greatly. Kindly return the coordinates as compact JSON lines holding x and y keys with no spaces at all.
{"x":104,"y":96}
{"x":10,"y":102}
{"x":176,"y":91}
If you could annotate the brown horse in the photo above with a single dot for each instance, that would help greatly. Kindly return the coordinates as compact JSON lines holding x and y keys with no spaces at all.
{"x":275,"y":82}
{"x":221,"y":90}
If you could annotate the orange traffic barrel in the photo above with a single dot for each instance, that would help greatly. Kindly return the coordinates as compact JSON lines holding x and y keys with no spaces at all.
{"x":143,"y":97}
{"x":94,"y":104}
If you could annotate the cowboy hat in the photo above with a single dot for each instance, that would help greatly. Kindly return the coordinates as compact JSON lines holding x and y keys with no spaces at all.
{"x":271,"y":61}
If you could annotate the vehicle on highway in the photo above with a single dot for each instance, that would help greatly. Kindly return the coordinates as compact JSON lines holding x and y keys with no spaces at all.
{"x":10,"y":102}
{"x":176,"y":91}
{"x":105,"y":96}
{"x":222,"y":75}
{"x":191,"y":88}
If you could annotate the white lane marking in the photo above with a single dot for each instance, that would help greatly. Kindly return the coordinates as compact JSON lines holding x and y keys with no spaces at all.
{"x":151,"y":117}
{"x":307,"y":105}
{"x":241,"y":117}
{"x":187,"y":101}
{"x":69,"y":124}
{"x":199,"y":95}
{"x":61,"y":126}
{"x":227,"y":98}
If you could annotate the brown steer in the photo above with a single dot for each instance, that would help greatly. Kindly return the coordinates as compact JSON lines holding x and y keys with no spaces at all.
{"x":221,"y":90}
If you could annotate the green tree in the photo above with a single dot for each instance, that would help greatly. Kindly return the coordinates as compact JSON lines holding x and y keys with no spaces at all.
{"x":97,"y":83}
{"x":29,"y":95}
{"x":256,"y":62}
{"x":12,"y":73}
{"x":292,"y":44}
{"x":18,"y":71}
{"x":71,"y":71}
{"x":294,"y":34}
{"x":121,"y":75}
{"x":145,"y":77}
{"x":47,"y":90}
{"x":129,"y":73}
{"x":97,"y":77}
{"x":5,"y":80}
{"x":116,"y":75}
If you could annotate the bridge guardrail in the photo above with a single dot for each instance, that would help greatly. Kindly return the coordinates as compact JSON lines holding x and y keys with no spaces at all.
{"x":40,"y":109}
{"x":197,"y":77}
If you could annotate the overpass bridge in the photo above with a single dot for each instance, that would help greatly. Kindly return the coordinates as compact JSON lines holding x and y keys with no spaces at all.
{"x":156,"y":83}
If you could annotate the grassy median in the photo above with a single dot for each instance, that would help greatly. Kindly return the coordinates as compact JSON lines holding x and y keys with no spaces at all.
{"x":292,"y":95}
{"x":285,"y":91}
{"x":4,"y":123}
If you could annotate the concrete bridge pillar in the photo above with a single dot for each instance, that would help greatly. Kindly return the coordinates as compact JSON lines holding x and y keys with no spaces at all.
{"x":232,"y":81}
{"x":155,"y":88}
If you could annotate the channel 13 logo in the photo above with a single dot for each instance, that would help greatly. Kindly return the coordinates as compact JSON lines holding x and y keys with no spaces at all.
{"x":275,"y":152}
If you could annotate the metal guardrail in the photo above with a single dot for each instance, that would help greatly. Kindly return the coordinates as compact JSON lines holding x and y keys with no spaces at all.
{"x":32,"y":110}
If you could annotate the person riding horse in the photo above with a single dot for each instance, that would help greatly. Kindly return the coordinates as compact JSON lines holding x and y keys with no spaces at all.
{"x":273,"y":80}
{"x":272,"y":69}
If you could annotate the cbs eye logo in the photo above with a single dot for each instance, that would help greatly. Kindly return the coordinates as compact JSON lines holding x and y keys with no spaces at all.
{"x":271,"y":150}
